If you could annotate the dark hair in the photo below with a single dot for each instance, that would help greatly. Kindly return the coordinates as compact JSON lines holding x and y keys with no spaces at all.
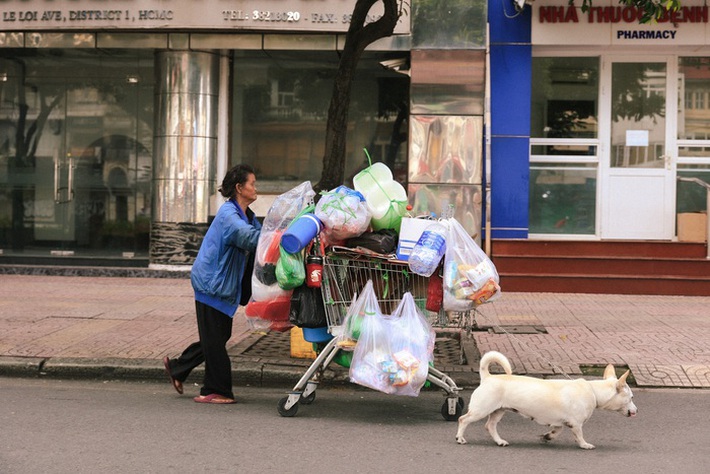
{"x":236,"y":175}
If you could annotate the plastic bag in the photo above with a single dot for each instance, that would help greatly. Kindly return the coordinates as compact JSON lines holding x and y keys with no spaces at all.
{"x":280,"y":215}
{"x":269,"y":304}
{"x":412,"y":341}
{"x":343,"y":213}
{"x":383,"y":241}
{"x":307,"y":310}
{"x":434,"y":293}
{"x":361,"y":308}
{"x":470,"y":278}
{"x":290,"y":270}
{"x":393,"y":352}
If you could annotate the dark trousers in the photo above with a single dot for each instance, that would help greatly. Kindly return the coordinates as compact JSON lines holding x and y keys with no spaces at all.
{"x":215,"y":329}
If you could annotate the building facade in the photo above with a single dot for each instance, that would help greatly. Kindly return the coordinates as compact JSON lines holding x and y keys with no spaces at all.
{"x":118,"y":117}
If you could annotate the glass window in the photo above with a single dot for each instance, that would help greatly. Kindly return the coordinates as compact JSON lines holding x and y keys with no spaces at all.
{"x":690,"y":196}
{"x":280,"y":107}
{"x":564,"y":97}
{"x":461,"y":24}
{"x":694,"y":79}
{"x":563,"y":199}
{"x":76,"y":134}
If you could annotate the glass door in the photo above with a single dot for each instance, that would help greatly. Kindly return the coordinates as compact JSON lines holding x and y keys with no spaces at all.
{"x":638,"y":170}
{"x":75,"y":156}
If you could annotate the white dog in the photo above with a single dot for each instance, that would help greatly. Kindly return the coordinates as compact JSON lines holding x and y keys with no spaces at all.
{"x":555,"y":403}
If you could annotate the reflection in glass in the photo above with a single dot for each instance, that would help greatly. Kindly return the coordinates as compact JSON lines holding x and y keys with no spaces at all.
{"x":446,"y":149}
{"x":694,"y":102}
{"x":638,"y":93}
{"x":436,"y":199}
{"x":460,"y":25}
{"x":564,"y":97}
{"x":689,"y":196}
{"x":563,"y":150}
{"x":562,"y":201}
{"x":75,"y":152}
{"x":280,"y":109}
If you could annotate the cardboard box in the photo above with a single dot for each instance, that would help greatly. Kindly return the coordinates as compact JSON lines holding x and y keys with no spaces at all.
{"x":692,"y":227}
{"x":409,"y":234}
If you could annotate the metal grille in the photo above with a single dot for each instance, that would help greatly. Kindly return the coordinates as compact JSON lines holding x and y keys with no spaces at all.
{"x":344,"y":276}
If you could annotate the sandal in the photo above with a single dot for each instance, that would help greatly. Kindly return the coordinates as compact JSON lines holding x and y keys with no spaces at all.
{"x":214,"y":398}
{"x":177,"y":385}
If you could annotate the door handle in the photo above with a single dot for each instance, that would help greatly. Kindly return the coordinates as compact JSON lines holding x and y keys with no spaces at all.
{"x":667,"y":161}
{"x":57,"y":198}
{"x":63,"y":194}
{"x":70,"y":180}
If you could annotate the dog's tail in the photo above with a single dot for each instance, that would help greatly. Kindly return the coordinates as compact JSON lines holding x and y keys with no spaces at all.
{"x":493,"y":356}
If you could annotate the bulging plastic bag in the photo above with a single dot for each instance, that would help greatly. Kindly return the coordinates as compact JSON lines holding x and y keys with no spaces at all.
{"x":307,"y":309}
{"x":344,"y":213}
{"x":470,"y":278}
{"x":290,"y":270}
{"x":362,"y":307}
{"x":269,"y":304}
{"x":393,"y":352}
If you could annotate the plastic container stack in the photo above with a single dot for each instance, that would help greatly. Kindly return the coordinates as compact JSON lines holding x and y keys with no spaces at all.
{"x":386,"y":199}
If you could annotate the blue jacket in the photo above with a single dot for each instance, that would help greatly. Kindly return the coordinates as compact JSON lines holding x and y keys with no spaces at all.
{"x":219,"y":267}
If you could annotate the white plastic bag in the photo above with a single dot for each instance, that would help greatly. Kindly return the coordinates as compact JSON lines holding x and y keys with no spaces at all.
{"x":393,"y":352}
{"x":470,"y":278}
{"x":412,"y":342}
{"x":344,"y":214}
{"x":363,"y":306}
{"x":269,"y":303}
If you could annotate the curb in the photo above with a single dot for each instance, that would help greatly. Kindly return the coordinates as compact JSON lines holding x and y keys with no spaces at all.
{"x":246,"y":371}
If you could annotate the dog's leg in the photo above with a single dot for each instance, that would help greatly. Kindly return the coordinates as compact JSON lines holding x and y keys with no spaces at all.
{"x":471,"y":416}
{"x":552,"y":434}
{"x":577,"y":432}
{"x":492,"y":427}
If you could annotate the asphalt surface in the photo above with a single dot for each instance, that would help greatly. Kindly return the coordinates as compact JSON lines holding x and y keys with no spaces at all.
{"x":112,"y":328}
{"x":87,"y":426}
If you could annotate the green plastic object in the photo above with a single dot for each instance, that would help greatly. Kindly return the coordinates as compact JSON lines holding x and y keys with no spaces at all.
{"x":392,"y":218}
{"x":386,"y":199}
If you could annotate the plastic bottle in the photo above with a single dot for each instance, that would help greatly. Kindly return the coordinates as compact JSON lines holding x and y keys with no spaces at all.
{"x":428,"y":250}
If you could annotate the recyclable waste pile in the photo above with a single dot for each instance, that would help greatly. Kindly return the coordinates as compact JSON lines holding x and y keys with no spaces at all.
{"x":390,"y":353}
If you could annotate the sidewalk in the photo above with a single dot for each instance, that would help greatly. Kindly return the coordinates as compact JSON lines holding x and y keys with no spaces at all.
{"x":66,"y":326}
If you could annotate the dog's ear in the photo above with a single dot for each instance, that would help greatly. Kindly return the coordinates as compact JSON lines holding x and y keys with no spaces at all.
{"x":622,"y":381}
{"x":609,"y":372}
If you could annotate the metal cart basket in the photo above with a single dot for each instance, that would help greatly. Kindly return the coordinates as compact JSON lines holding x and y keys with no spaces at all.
{"x":344,"y":276}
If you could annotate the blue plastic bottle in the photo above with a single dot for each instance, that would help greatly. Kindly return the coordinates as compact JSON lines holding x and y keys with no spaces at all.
{"x":428,"y":251}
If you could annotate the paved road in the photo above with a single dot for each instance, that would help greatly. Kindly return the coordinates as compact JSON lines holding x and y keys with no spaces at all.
{"x":61,"y":426}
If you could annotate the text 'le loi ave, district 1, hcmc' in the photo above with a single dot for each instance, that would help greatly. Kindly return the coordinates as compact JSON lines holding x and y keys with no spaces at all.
{"x":91,"y":15}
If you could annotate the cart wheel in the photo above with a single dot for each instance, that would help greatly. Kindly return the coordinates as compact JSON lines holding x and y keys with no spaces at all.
{"x":283,"y":411}
{"x":308,"y":399}
{"x":457,"y":414}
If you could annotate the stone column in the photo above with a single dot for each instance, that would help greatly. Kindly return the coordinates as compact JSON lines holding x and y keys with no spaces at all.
{"x":185,"y":153}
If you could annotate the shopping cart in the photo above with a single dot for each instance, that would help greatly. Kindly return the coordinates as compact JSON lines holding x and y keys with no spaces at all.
{"x":344,"y":276}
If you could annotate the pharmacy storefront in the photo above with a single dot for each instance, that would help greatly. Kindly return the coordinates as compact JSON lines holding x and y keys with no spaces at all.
{"x":618,"y":112}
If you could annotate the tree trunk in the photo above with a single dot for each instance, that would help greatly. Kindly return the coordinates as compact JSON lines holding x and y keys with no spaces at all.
{"x":358,"y":37}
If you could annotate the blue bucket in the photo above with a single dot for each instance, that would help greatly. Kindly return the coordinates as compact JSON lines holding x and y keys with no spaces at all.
{"x":316,"y":335}
{"x":300,"y":233}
